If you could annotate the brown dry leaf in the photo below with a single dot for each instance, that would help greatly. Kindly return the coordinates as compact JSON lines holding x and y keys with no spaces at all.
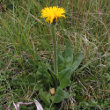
{"x":38,"y":105}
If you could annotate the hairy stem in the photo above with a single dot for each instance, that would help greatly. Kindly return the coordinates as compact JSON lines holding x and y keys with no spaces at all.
{"x":53,"y":28}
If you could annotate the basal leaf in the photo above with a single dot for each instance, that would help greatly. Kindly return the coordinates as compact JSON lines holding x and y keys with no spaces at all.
{"x":60,"y":61}
{"x":77,"y":61}
{"x":60,"y":95}
{"x":44,"y":97}
{"x":60,"y":57}
{"x":64,"y":77}
{"x":68,"y":53}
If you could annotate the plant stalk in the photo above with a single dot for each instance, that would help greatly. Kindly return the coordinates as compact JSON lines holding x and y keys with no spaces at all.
{"x":53,"y":28}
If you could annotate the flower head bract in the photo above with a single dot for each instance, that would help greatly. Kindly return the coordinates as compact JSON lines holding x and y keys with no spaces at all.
{"x":52,"y":13}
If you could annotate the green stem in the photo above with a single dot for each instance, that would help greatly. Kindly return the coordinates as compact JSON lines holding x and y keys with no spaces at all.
{"x":56,"y":3}
{"x":53,"y":28}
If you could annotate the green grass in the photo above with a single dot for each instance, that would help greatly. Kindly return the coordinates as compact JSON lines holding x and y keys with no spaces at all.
{"x":26,"y":46}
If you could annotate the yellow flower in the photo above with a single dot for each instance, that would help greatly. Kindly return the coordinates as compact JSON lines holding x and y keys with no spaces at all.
{"x":52,"y":13}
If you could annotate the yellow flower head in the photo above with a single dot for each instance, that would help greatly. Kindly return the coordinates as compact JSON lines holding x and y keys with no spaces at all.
{"x":52,"y":13}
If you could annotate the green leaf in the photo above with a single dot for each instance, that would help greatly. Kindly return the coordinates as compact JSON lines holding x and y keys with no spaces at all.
{"x":65,"y":59}
{"x":67,"y":63}
{"x":68,"y":53}
{"x":77,"y":61}
{"x":60,"y":95}
{"x":44,"y":79}
{"x":61,"y":63}
{"x":64,"y":77}
{"x":45,"y":97}
{"x":60,"y":57}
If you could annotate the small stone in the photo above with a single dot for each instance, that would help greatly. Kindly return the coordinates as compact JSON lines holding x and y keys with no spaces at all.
{"x":52,"y":91}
